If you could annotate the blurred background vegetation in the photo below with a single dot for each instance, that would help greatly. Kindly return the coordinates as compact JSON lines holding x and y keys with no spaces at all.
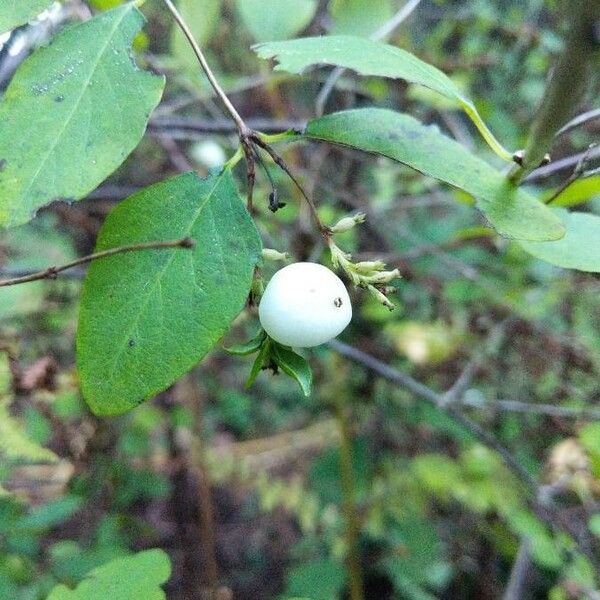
{"x":248,"y":490}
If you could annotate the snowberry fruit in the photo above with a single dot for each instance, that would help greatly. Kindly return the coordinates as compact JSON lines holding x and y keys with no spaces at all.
{"x":304,"y":304}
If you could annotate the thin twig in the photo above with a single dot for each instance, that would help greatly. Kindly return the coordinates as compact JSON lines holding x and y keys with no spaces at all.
{"x":243,"y":129}
{"x":561,"y":164}
{"x":491,"y":347}
{"x":383,"y":32}
{"x":52,"y":272}
{"x":422,"y":391}
{"x":579,"y":120}
{"x":548,"y":410}
{"x":283,"y":166}
{"x":167,"y":125}
{"x":578,"y":173}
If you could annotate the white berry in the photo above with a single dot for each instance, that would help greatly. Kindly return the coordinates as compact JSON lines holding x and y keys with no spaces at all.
{"x":304,"y":305}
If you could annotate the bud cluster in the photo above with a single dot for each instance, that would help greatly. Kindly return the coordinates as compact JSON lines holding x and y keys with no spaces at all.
{"x":369,"y":275}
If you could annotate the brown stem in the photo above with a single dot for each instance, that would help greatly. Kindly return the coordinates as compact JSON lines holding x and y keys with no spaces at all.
{"x":243,"y":129}
{"x":349,"y":506}
{"x":323,"y":229}
{"x":52,"y":272}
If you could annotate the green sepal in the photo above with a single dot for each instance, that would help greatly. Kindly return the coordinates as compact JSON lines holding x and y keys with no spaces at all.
{"x":249,"y":347}
{"x":294,"y":365}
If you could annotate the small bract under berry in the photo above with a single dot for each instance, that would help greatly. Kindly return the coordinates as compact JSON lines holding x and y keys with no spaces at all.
{"x":305,"y":304}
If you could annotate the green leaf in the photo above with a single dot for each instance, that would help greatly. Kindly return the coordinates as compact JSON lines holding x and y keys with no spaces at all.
{"x":259,"y":362}
{"x":589,"y":436}
{"x":318,"y":580}
{"x":368,"y":57}
{"x":147,"y":317}
{"x":359,"y":17}
{"x":50,"y":514}
{"x":202,"y":17}
{"x":294,"y":365}
{"x":15,"y":444}
{"x":249,"y":347}
{"x":276,"y":19}
{"x":579,"y":249}
{"x":72,"y":113}
{"x":127,"y":578}
{"x":594,"y":524}
{"x":33,"y":246}
{"x":578,"y":192}
{"x":511,"y":211}
{"x":16,"y":12}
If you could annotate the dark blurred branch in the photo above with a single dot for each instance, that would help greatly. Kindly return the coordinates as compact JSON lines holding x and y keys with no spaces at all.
{"x":579,"y":120}
{"x":491,"y":347}
{"x":579,"y":172}
{"x":544,"y":510}
{"x":519,"y":574}
{"x":52,"y":272}
{"x":426,"y":393}
{"x":176,"y":125}
{"x":564,"y":163}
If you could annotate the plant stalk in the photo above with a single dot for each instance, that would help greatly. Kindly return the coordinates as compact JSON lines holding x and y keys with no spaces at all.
{"x":349,"y":502}
{"x":52,"y":272}
{"x":566,"y":87}
{"x":243,"y":129}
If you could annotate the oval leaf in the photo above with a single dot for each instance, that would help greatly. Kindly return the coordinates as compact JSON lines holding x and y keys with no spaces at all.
{"x":359,"y":17}
{"x":16,"y":12}
{"x":368,"y":57}
{"x":579,"y":249}
{"x":147,"y":317}
{"x":72,"y":113}
{"x":202,"y":19}
{"x":511,"y":211}
{"x":137,"y":576}
{"x":276,"y":19}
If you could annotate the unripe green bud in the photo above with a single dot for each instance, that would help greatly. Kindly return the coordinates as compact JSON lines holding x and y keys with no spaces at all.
{"x":270,"y":254}
{"x":347,"y":223}
{"x":368,"y":266}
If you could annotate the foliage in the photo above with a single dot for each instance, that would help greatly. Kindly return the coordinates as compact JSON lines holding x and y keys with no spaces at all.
{"x":368,"y":57}
{"x":438,"y":511}
{"x":17,"y":12}
{"x":174,"y":305}
{"x":512,"y":212}
{"x":78,"y":108}
{"x":122,"y":579}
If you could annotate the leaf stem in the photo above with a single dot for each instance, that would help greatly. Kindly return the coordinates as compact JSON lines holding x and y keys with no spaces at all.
{"x":52,"y":272}
{"x":323,"y":229}
{"x":349,"y":506}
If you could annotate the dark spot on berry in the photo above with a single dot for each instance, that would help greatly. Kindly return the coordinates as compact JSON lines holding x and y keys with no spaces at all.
{"x":338,"y":302}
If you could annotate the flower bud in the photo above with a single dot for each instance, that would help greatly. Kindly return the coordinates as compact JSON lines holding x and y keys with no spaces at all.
{"x":380,"y":297}
{"x":270,"y":254}
{"x":347,"y":223}
{"x":368,"y":266}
